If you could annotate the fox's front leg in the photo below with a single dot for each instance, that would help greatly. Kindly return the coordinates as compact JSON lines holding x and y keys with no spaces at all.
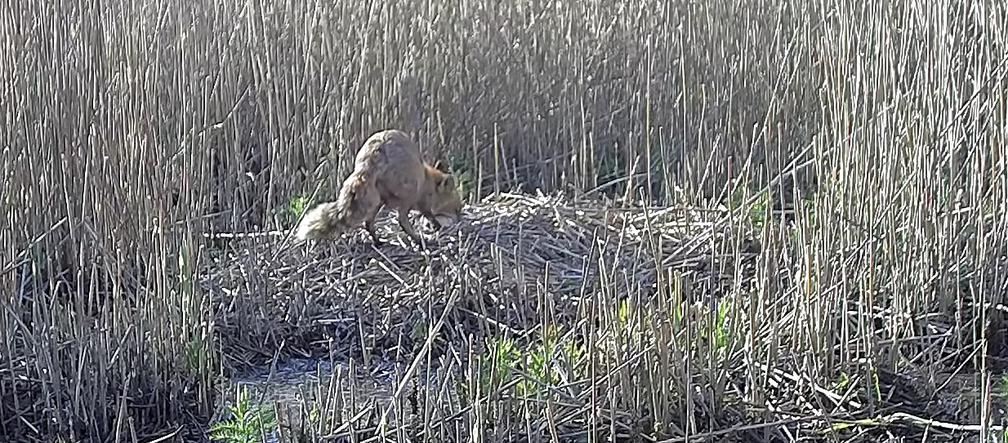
{"x":407,"y":227}
{"x":369,"y":225}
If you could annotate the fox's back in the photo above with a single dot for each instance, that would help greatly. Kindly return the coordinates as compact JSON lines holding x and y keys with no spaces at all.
{"x":388,"y":154}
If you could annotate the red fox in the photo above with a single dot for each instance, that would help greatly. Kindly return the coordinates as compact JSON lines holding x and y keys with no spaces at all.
{"x":388,"y":171}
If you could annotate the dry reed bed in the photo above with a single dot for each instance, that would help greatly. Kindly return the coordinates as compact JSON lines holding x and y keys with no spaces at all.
{"x":128,"y":129}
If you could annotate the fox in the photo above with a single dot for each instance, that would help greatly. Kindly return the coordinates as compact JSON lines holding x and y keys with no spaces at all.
{"x":388,"y":172}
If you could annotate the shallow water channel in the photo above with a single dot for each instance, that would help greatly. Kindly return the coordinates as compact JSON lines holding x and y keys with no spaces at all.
{"x":297,"y":388}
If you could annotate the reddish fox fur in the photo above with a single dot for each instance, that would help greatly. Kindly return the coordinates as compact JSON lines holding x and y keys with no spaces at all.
{"x":388,"y":171}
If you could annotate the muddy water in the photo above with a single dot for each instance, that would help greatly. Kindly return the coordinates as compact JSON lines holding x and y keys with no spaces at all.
{"x":293,"y":386}
{"x":282,"y":381}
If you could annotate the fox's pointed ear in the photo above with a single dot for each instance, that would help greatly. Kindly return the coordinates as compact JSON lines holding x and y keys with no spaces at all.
{"x":439,"y":165}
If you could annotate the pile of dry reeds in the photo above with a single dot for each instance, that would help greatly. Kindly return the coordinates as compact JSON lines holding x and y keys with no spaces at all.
{"x":500,"y":254}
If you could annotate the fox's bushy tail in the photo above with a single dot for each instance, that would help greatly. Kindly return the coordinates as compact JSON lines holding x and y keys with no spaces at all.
{"x":328,"y":220}
{"x":321,"y":222}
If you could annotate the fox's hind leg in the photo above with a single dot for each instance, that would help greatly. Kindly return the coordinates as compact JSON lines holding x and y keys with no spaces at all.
{"x":369,"y":224}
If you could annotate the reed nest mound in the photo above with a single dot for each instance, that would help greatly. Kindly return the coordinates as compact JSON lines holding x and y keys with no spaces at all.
{"x":510,"y":259}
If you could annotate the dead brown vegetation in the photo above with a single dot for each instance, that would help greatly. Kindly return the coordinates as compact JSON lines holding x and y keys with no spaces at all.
{"x":826,"y":181}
